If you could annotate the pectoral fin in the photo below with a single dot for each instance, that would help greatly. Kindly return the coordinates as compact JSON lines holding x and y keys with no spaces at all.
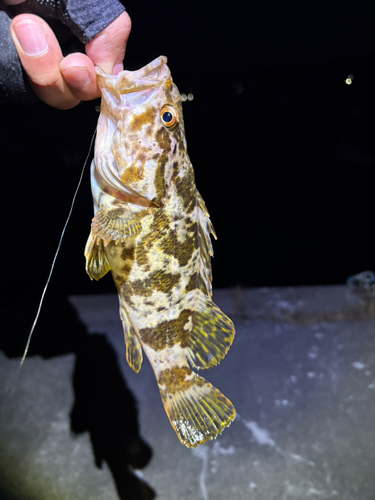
{"x":115,"y":223}
{"x":133,"y":347}
{"x":211,"y":334}
{"x":97,"y":264}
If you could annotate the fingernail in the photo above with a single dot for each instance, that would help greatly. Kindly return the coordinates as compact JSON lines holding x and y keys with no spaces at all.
{"x":31,"y":37}
{"x":77,"y":77}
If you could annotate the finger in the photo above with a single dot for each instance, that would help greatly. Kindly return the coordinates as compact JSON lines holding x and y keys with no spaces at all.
{"x":79,"y":73}
{"x":40,"y":55}
{"x":107,"y":49}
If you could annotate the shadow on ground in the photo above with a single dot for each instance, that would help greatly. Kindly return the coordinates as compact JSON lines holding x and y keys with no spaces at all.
{"x":103,"y":405}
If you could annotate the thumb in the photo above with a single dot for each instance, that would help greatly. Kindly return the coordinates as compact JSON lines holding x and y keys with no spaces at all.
{"x":107,"y":49}
{"x":40,"y":56}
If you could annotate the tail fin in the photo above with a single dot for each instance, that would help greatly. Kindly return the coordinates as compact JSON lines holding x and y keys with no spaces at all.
{"x":196,"y":410}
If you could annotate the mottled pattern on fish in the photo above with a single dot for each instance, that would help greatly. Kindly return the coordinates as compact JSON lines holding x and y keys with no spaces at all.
{"x":152,"y":230}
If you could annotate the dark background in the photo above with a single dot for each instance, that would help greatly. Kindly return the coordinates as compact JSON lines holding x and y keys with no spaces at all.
{"x":282,"y":147}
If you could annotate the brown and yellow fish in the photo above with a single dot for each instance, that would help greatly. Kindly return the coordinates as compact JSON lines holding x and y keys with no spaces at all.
{"x":152,"y":230}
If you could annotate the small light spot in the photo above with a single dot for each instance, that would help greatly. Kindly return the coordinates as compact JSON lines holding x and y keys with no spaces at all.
{"x":183,"y":97}
{"x":349,"y":79}
{"x":97,"y":108}
{"x":238,"y":88}
{"x":190,"y":97}
{"x":313,"y":353}
{"x":358,"y":365}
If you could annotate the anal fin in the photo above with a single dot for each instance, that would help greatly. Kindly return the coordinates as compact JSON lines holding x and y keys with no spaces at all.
{"x":133,"y":347}
{"x":197,"y":411}
{"x":211,"y":334}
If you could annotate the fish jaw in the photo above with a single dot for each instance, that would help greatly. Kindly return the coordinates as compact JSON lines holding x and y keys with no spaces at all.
{"x":133,"y":148}
{"x":128,"y":92}
{"x":126,"y":82}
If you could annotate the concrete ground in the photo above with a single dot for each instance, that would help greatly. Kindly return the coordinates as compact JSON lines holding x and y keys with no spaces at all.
{"x":301,"y":373}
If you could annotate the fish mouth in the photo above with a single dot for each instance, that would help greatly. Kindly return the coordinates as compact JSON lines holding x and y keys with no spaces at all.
{"x":152,"y":75}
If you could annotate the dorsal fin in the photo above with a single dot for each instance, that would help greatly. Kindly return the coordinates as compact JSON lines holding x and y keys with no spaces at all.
{"x":211,"y":331}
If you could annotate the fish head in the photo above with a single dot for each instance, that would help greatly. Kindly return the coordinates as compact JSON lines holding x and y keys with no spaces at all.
{"x":141,"y":128}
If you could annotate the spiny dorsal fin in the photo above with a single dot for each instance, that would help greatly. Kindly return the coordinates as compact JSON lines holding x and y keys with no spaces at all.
{"x":203,"y":207}
{"x":205,"y":227}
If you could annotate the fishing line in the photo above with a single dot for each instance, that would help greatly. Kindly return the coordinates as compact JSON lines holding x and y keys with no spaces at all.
{"x":53,"y":264}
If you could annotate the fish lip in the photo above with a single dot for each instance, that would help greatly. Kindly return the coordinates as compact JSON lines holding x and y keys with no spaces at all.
{"x":152,"y":75}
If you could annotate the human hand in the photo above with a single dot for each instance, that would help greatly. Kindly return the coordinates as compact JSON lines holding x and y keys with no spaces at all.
{"x":62,"y":82}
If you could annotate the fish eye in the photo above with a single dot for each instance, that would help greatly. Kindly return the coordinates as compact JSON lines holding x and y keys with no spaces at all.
{"x":168,"y":116}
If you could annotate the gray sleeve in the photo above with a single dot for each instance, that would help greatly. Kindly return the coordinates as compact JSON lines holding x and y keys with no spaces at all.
{"x":75,"y":23}
{"x":87,"y":19}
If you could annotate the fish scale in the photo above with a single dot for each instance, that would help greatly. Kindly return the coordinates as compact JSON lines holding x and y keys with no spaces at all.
{"x":152,"y":230}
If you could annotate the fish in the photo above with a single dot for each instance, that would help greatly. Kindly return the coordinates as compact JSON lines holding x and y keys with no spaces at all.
{"x":151,"y":229}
